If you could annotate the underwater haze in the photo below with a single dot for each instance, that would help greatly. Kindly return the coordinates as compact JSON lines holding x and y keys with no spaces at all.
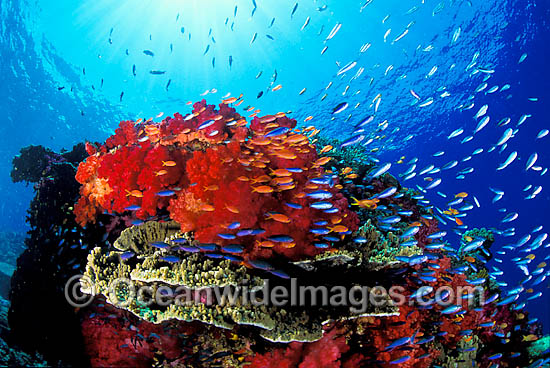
{"x":450,"y":97}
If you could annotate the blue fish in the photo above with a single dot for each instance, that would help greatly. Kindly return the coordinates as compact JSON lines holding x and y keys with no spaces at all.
{"x":160,"y":245}
{"x":179,"y":240}
{"x":321,"y":205}
{"x":453,"y":309}
{"x":127,"y":255}
{"x":134,"y":207}
{"x":294,"y":170}
{"x":171,"y":259}
{"x":340,"y":107}
{"x":293,"y":205}
{"x":389,"y":219}
{"x":399,"y":342}
{"x":437,"y":235}
{"x":276,"y":132}
{"x":207,"y":247}
{"x":244,"y":232}
{"x":403,"y":359}
{"x":320,"y":194}
{"x":165,"y":193}
{"x":189,"y":248}
{"x":319,"y":231}
{"x":259,"y":264}
{"x":233,"y":248}
{"x":426,"y":340}
{"x":206,"y":124}
{"x":281,"y":238}
{"x":227,"y":236}
{"x":353,"y":140}
{"x":478,"y":281}
{"x":233,"y":258}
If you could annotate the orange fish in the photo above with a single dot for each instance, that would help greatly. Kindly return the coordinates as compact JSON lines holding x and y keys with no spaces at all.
{"x":346,"y":170}
{"x":315,"y":132}
{"x":211,"y":187}
{"x":461,"y":195}
{"x":281,"y":172}
{"x":530,"y":338}
{"x":243,"y":178}
{"x":296,"y":138}
{"x":365,"y":203}
{"x":232,"y":209}
{"x":308,"y":118}
{"x":279,"y":217}
{"x":458,"y":221}
{"x":161,"y":172}
{"x":263,"y":189}
{"x":322,"y":161}
{"x":470,"y":259}
{"x":159,"y":114}
{"x":260,"y":141}
{"x":282,"y":180}
{"x":288,"y":155}
{"x":287,"y":245}
{"x":134,"y":193}
{"x":352,"y":176}
{"x":168,"y":163}
{"x":277,"y":87}
{"x":261,"y":179}
{"x":258,"y":164}
{"x":207,"y":207}
{"x":229,"y":100}
{"x":287,"y":187}
{"x":139,"y":120}
{"x":339,"y":229}
{"x":326,"y":149}
{"x":265,"y":243}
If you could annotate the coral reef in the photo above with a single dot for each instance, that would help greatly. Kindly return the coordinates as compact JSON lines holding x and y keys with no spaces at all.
{"x":200,"y":210}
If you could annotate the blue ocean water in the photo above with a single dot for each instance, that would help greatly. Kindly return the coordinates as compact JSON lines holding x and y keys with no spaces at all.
{"x":67,"y":75}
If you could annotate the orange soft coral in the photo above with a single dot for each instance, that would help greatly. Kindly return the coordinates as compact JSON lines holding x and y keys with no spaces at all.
{"x":209,"y":171}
